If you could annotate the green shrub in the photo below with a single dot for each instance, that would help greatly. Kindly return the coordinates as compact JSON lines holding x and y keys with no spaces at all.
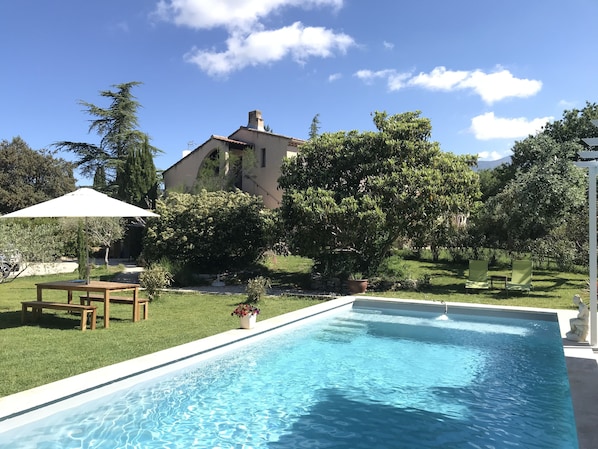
{"x":182,"y":274}
{"x":212,"y":231}
{"x":256,"y":288}
{"x":82,"y":251}
{"x":155,"y":278}
{"x":394,"y":274}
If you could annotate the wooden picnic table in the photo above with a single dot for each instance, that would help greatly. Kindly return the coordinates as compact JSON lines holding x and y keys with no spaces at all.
{"x":104,"y":287}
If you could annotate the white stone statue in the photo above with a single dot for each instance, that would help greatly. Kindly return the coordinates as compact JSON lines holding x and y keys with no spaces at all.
{"x":579,"y":325}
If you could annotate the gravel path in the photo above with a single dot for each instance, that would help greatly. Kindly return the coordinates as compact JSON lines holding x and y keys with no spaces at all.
{"x":131,"y":275}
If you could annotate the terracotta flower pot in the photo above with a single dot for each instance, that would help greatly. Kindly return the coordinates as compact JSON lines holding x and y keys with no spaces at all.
{"x":357,"y":286}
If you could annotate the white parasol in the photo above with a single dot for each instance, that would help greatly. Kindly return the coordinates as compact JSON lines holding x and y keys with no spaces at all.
{"x":84,"y":202}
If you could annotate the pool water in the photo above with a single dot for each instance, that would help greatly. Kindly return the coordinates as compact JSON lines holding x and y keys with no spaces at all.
{"x":364,"y":378}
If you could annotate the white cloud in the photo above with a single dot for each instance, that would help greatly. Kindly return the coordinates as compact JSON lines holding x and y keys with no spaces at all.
{"x":229,"y":14}
{"x":488,"y":126}
{"x":497,"y":86}
{"x":493,"y":155}
{"x":397,"y":81}
{"x":388,"y":45}
{"x":249,"y":43}
{"x":491,"y":87}
{"x":368,"y":76}
{"x":439,"y":79}
{"x":265,"y":47}
{"x":334,"y":77}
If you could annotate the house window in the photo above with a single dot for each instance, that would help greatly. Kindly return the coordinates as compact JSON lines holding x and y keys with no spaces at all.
{"x":263,"y":157}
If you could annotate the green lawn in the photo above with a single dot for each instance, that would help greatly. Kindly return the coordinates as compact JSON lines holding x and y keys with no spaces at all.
{"x":33,"y":355}
{"x":551,"y":289}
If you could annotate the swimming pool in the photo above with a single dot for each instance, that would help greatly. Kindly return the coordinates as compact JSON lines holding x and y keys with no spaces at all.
{"x":361,"y":377}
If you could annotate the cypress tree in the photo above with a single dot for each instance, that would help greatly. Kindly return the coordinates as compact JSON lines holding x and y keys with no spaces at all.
{"x":81,"y":250}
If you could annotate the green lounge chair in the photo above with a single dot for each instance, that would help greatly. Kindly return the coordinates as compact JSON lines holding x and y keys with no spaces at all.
{"x":478,"y":275}
{"x":521,"y":278}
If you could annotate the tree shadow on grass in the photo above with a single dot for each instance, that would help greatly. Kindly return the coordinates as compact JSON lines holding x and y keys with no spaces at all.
{"x":283,"y":279}
{"x":550,"y":281}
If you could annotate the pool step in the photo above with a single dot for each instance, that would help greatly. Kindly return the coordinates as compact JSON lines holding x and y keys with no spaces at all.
{"x":343,"y":330}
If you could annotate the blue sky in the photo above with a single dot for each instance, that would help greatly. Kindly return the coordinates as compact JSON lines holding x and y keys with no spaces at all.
{"x":485,"y":73}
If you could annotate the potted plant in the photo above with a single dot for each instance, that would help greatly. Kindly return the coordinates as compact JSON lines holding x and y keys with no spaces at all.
{"x":247,"y":313}
{"x":357,"y":283}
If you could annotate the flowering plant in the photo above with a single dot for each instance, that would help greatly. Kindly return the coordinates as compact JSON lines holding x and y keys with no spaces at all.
{"x":244,"y":309}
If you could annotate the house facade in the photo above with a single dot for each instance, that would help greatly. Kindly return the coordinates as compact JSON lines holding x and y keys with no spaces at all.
{"x":251,"y":155}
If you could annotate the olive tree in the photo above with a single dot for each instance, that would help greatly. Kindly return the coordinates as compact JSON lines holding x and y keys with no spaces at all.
{"x":97,"y":232}
{"x":31,"y":240}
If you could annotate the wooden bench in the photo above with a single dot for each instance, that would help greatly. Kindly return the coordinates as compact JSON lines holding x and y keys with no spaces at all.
{"x":143,"y":302}
{"x":37,"y":306}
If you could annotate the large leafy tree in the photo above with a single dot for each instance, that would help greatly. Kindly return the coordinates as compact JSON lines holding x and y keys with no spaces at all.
{"x":35,"y":240}
{"x":28,"y":177}
{"x":116,"y":126}
{"x":575,"y":124}
{"x":349,"y":196}
{"x":566,"y":134}
{"x":540,"y":198}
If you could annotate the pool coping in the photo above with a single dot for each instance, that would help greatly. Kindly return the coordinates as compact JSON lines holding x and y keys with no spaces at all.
{"x":581,"y":361}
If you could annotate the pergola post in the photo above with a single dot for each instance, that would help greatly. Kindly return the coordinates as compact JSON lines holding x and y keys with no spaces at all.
{"x":592,"y":166}
{"x":592,"y":207}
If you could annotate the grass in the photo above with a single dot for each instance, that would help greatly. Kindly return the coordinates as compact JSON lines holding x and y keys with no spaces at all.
{"x":287,"y":271}
{"x":551,"y":289}
{"x":36,"y":354}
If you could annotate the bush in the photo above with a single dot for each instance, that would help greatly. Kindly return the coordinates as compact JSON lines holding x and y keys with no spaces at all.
{"x":182,"y":274}
{"x":211,"y":231}
{"x":256,"y":288}
{"x":393,"y":274}
{"x":155,"y":278}
{"x":388,"y":285}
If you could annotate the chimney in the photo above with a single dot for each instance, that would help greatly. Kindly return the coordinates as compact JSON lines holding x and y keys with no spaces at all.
{"x":255,"y":120}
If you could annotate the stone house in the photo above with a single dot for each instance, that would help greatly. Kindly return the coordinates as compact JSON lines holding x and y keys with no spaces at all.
{"x":259,"y":178}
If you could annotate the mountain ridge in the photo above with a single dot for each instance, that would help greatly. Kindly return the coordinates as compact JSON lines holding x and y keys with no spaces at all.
{"x":489,"y":165}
